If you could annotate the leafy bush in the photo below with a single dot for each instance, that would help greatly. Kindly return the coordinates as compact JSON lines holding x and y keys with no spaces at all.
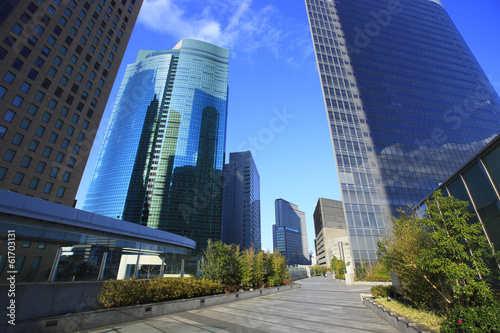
{"x":338,"y":266}
{"x":484,"y":318}
{"x":116,"y":293}
{"x":382,"y":291}
{"x":440,"y":257}
{"x":229,"y":266}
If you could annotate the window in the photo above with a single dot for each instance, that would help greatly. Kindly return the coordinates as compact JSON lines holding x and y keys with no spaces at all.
{"x":79,"y":77}
{"x":32,"y":40}
{"x":25,"y":163}
{"x":70,"y":130}
{"x":63,"y":80}
{"x":40,"y":167}
{"x":73,"y":59}
{"x":18,"y":138}
{"x":76,"y":149}
{"x":92,"y":75}
{"x":83,"y":68}
{"x":48,"y":187}
{"x":25,"y":87}
{"x":46,"y":117}
{"x":63,"y":50}
{"x":33,"y":109}
{"x":25,"y":52}
{"x":60,"y":192}
{"x":60,"y":157}
{"x":52,"y":71}
{"x":45,"y":51}
{"x":25,"y":124}
{"x":27,"y":244}
{"x":3,"y":129}
{"x":9,"y":77}
{"x":81,"y":136}
{"x":9,"y":155}
{"x":46,"y":83}
{"x":33,"y":145}
{"x":51,"y":40}
{"x":35,"y":264}
{"x":53,"y":173}
{"x":73,"y":31}
{"x":63,"y":21}
{"x":69,"y":69}
{"x":17,"y":101}
{"x":39,"y":131}
{"x":39,"y":30}
{"x":17,"y":64}
{"x":53,"y":137}
{"x":57,"y":61}
{"x":3,"y":90}
{"x":39,"y":62}
{"x":64,"y":111}
{"x":83,"y":40}
{"x":41,"y":246}
{"x":51,"y":10}
{"x":9,"y":115}
{"x":32,"y":74}
{"x":65,"y":144}
{"x":46,"y":152}
{"x":18,"y":178}
{"x":34,"y":183}
{"x":59,"y":124}
{"x":88,"y":85}
{"x":78,"y":22}
{"x":85,"y":124}
{"x":71,"y":162}
{"x":66,"y":176}
{"x":39,"y":96}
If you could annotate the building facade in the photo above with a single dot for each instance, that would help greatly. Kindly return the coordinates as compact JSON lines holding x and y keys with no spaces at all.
{"x":59,"y":60}
{"x":478,"y":182}
{"x":241,"y":202}
{"x":406,"y":101}
{"x":162,"y":157}
{"x":290,"y":233}
{"x":331,"y":232}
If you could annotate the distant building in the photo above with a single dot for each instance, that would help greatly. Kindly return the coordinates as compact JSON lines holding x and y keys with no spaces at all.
{"x":478,"y":182}
{"x":331,"y":232}
{"x":290,"y":233}
{"x":406,"y":104}
{"x":162,"y":157}
{"x":241,"y":202}
{"x":58,"y":63}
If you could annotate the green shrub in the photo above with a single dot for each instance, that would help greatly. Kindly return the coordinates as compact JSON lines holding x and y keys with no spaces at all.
{"x":117,"y":293}
{"x":382,"y":291}
{"x":484,"y":318}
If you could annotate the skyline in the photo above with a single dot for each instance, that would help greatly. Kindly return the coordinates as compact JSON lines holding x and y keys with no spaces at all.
{"x":280,"y":115}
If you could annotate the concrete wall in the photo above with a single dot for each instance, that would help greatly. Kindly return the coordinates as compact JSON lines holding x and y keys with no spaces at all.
{"x":39,"y":300}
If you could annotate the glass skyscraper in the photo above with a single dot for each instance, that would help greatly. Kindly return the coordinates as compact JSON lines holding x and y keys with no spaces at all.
{"x":406,"y":101}
{"x":290,"y":233}
{"x":162,"y":157}
{"x":241,"y":202}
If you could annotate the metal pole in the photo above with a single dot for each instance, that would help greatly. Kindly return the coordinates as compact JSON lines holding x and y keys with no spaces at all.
{"x":53,"y":271}
{"x":162,"y":270}
{"x":182,"y":268}
{"x":198,"y":273}
{"x":103,"y":266}
{"x":136,"y":273}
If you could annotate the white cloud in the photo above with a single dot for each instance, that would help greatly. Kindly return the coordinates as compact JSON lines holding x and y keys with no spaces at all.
{"x":235,"y":24}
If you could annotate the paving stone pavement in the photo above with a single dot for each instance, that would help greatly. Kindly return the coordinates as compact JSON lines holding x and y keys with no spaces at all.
{"x":319,"y":305}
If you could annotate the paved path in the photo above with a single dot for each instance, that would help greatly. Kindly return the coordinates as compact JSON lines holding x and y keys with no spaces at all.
{"x":320,"y":305}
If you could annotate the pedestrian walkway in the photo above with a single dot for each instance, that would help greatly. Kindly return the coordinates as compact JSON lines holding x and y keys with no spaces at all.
{"x":319,"y":305}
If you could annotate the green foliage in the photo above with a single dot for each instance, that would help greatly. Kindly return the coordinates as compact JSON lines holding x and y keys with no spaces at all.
{"x":439,"y":257}
{"x":361,"y":272}
{"x":338,"y":266}
{"x":117,"y":293}
{"x":319,"y":270}
{"x":231,"y":267}
{"x":382,"y":291}
{"x":482,"y":318}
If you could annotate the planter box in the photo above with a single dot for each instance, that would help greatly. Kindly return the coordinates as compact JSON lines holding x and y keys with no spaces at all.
{"x":107,"y":317}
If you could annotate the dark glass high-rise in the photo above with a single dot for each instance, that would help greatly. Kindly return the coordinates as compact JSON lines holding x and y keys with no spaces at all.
{"x":406,"y":101}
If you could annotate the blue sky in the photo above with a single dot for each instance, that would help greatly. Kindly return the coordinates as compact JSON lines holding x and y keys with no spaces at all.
{"x":276,"y":107}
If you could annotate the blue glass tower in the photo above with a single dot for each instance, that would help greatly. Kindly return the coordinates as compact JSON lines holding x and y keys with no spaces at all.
{"x":290,"y":233}
{"x":162,"y":158}
{"x":406,"y":101}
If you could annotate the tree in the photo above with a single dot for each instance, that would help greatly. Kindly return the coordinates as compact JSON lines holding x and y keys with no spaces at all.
{"x":247,"y":267}
{"x":439,"y":257}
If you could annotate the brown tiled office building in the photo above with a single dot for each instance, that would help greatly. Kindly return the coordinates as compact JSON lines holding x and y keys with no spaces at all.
{"x":58,"y":61}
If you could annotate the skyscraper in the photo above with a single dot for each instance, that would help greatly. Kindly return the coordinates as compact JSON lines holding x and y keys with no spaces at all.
{"x":331,"y":232}
{"x":406,"y":101}
{"x":59,"y":60}
{"x":162,"y":157}
{"x":290,"y":233}
{"x":241,"y":202}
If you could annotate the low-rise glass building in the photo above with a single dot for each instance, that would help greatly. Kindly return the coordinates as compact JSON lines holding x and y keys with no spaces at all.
{"x":43,"y":241}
